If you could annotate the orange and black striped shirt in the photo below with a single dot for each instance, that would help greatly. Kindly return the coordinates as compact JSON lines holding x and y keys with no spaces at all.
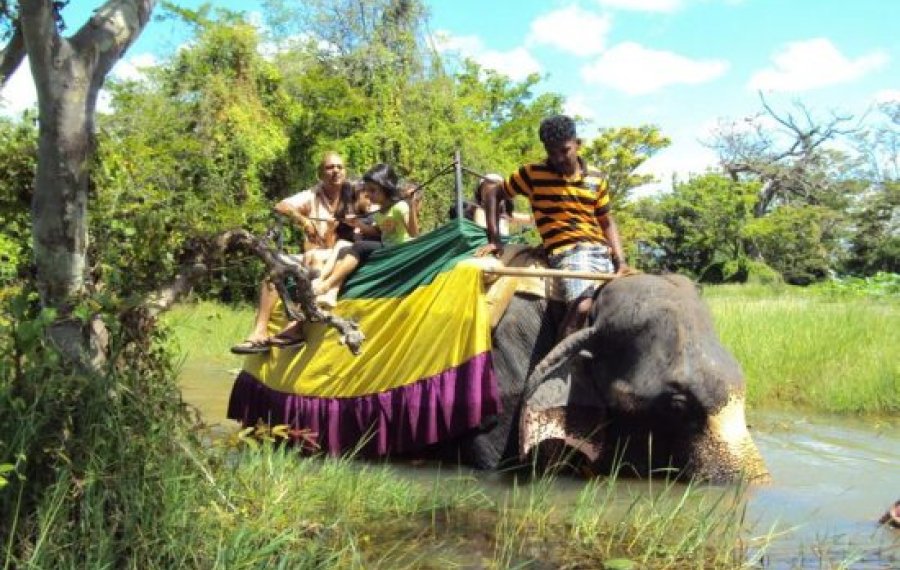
{"x":566,"y":209}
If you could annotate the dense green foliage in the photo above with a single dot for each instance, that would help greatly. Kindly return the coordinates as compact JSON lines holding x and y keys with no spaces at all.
{"x":85,"y":458}
{"x":18,"y":153}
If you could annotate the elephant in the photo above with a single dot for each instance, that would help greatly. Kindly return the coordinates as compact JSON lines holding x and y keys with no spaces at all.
{"x":647,"y":388}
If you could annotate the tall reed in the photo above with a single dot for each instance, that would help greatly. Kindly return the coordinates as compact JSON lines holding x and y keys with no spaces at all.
{"x":832,"y":354}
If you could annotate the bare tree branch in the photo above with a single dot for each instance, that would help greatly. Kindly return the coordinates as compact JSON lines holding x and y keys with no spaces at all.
{"x":787,"y":157}
{"x":299,"y":301}
{"x":38,"y":24}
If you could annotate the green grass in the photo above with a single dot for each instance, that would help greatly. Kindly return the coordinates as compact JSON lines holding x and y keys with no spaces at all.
{"x":273,"y":508}
{"x":836,"y":354}
{"x":205,"y":330}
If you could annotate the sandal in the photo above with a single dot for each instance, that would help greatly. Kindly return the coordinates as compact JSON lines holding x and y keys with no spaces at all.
{"x":282,"y":340}
{"x":252,"y":347}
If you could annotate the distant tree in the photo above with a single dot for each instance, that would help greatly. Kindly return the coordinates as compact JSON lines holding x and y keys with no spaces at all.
{"x":793,"y":241}
{"x":786,"y":153}
{"x":875,"y":244}
{"x":875,"y":221}
{"x":705,"y":217}
{"x":618,"y":152}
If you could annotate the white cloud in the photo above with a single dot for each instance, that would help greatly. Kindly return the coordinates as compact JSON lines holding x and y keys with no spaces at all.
{"x":887,"y":96}
{"x":19,"y":93}
{"x":577,"y":105}
{"x":517,"y":63}
{"x":643,"y":5}
{"x":636,"y":70}
{"x":132,"y":68}
{"x":466,"y":45}
{"x":679,"y":162}
{"x":572,"y":30}
{"x":814,"y":63}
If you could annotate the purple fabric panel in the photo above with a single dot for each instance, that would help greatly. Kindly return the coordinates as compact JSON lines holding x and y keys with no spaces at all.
{"x":401,"y":420}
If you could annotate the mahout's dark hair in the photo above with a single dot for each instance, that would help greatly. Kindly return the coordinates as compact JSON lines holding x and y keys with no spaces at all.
{"x":384,"y":176}
{"x":556,"y":130}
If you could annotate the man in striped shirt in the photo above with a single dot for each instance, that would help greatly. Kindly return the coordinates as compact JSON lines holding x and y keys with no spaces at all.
{"x":570,"y":202}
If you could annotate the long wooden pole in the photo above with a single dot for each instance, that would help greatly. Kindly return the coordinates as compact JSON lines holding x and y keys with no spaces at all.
{"x":540,"y":272}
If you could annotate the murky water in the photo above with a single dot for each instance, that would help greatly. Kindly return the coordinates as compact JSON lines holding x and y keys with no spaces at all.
{"x":831,"y":479}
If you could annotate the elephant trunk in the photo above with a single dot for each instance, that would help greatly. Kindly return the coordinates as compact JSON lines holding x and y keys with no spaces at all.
{"x":724,"y":451}
{"x":559,"y":408}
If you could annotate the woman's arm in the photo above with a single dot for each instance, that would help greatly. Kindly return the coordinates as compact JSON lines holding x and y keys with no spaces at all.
{"x":412,"y":217}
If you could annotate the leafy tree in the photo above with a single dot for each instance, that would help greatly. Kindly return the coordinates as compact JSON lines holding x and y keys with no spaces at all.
{"x":705,"y":217}
{"x":197,"y":148}
{"x":875,"y":244}
{"x":618,"y":152}
{"x":372,"y":89}
{"x":875,"y":239}
{"x":790,"y":239}
{"x":18,"y":151}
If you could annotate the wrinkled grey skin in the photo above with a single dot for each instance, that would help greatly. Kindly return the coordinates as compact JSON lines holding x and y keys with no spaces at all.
{"x":647,"y":388}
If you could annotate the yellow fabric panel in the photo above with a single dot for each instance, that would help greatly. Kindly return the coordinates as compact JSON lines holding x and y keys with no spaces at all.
{"x":436,"y":327}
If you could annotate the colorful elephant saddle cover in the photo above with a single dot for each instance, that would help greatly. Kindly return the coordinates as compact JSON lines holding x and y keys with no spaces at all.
{"x":424,"y":374}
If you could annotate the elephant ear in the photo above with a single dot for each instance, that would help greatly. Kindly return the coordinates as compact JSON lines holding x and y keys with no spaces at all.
{"x":563,"y":412}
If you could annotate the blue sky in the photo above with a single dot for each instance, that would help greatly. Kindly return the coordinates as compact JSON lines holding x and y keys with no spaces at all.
{"x":683,"y":65}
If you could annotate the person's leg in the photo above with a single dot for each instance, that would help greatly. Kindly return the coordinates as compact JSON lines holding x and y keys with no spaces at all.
{"x":576,"y":315}
{"x":268,"y":296}
{"x":348,"y":260}
{"x":258,"y":337}
{"x":329,"y":264}
{"x":328,"y":288}
{"x":579,"y":292}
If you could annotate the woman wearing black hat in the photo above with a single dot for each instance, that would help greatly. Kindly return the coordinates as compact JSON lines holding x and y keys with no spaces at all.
{"x":396,"y":221}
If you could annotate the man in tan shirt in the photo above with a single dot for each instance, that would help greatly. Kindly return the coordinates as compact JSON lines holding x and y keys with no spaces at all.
{"x":316,"y":210}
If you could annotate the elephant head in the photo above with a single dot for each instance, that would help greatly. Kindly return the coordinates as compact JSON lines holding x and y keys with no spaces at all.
{"x":646,"y":387}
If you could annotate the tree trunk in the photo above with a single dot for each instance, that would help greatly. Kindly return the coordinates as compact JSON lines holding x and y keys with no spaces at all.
{"x":59,"y":206}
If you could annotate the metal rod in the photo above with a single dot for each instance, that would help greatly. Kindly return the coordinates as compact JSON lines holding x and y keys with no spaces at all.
{"x":442,"y":172}
{"x":474,"y":173}
{"x":457,"y":163}
{"x":541,"y":272}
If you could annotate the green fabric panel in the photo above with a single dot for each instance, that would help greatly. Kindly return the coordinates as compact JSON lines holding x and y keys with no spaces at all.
{"x":396,"y":271}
